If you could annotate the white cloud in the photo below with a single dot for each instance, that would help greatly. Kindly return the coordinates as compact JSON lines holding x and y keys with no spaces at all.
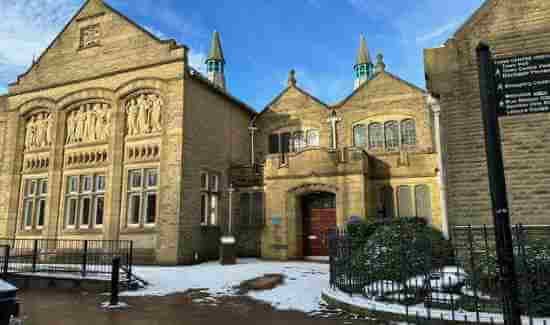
{"x":438,"y":31}
{"x":155,"y":32}
{"x":196,"y":61}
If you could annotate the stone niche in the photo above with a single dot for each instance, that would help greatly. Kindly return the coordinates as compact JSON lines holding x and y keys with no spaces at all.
{"x":86,"y":157}
{"x":143,"y":150}
{"x":88,"y":123}
{"x":39,"y":129}
{"x":143,"y":114}
{"x":36,"y":162}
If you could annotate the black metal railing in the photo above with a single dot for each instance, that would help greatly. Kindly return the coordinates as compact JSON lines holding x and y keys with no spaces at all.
{"x":415,"y":272}
{"x":80,"y":257}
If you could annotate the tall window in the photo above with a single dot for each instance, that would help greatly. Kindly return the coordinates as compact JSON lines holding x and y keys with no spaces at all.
{"x":210,"y":198}
{"x":359,"y":135}
{"x":85,"y":201}
{"x":376,"y":136}
{"x":405,"y":203}
{"x":408,"y":132}
{"x":35,"y":193}
{"x":423,"y":202}
{"x":252,"y":208}
{"x":142,"y":204}
{"x":299,"y":141}
{"x":391,"y":132}
{"x":313,"y":137}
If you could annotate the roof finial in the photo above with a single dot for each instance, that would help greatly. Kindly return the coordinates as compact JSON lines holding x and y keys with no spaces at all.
{"x":215,"y":52}
{"x":291,"y":78}
{"x":380,"y":65}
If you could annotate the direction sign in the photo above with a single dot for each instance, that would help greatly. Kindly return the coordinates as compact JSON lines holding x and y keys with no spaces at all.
{"x":522,"y":84}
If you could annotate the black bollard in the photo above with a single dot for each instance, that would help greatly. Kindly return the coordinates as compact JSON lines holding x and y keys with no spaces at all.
{"x":114,"y":281}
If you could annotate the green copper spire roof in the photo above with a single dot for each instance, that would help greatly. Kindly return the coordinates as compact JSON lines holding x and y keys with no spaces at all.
{"x":215,"y":52}
{"x":363,"y":53}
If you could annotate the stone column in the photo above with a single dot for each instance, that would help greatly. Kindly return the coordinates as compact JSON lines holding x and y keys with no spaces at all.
{"x":169,"y":223}
{"x":442,"y":174}
{"x":115,"y":177}
{"x":54,"y":221}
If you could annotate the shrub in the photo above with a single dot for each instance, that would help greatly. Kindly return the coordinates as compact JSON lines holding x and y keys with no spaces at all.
{"x":399,"y":250}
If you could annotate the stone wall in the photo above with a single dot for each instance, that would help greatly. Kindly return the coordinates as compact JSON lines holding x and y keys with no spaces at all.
{"x":510,"y":28}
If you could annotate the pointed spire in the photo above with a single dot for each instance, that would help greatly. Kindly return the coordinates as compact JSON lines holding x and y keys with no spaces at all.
{"x":363,"y":56}
{"x":215,"y":52}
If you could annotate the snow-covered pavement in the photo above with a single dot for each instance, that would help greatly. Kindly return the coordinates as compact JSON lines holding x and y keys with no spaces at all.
{"x":301,"y":289}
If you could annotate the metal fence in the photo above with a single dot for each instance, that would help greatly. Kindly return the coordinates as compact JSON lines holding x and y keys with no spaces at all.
{"x":81,"y":257}
{"x":417,"y":274}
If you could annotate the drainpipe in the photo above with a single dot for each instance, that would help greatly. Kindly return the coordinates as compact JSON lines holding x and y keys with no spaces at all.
{"x":252,"y":128}
{"x":436,"y":108}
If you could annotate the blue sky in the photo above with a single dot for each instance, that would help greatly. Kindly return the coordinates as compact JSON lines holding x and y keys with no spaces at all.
{"x":262,"y":40}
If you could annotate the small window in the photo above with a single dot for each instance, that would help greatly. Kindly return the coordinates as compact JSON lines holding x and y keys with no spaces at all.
{"x":44,"y":187}
{"x":71,"y":212}
{"x":408,"y":132}
{"x":299,"y":141}
{"x":134,"y":209}
{"x":86,"y":206}
{"x":213,"y":209}
{"x":41,"y":213}
{"x":391,"y":132}
{"x":99,"y":210}
{"x":28,"y":213}
{"x":214,"y":183}
{"x":359,"y":135}
{"x":204,"y":208}
{"x":33,"y":187}
{"x":152,"y":178}
{"x":73,"y":184}
{"x":313,"y":138}
{"x":274,"y":143}
{"x":100,"y":183}
{"x":376,"y":136}
{"x":244,"y":207}
{"x":204,"y":181}
{"x":135,"y":178}
{"x":86,"y":183}
{"x":151,"y":208}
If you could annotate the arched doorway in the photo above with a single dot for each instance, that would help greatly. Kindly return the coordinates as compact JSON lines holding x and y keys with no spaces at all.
{"x":319,"y":215}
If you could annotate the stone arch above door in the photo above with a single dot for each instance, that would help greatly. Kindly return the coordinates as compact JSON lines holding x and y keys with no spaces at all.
{"x":313,"y":187}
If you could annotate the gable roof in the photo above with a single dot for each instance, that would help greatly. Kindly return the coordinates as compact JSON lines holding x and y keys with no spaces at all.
{"x":365,"y":84}
{"x":475,"y":17}
{"x":201,"y":78}
{"x":300,"y":90}
{"x":74,"y":17}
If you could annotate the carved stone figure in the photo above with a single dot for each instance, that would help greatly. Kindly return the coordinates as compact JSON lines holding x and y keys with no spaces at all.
{"x":49,"y":129}
{"x":143,"y":125}
{"x":89,"y":122}
{"x":132,"y":116}
{"x":107,"y":122}
{"x":156,"y":107}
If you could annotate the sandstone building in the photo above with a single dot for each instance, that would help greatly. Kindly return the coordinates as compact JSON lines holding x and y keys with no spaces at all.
{"x":510,"y":28}
{"x":111,"y":134}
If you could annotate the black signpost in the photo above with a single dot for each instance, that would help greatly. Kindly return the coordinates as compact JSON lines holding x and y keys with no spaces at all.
{"x":495,"y":88}
{"x":522,"y":84}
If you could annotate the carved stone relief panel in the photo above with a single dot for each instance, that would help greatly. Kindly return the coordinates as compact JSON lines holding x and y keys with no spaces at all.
{"x":36,"y":162}
{"x":39,"y":131}
{"x":89,"y":36}
{"x":144,"y":114}
{"x":137,"y":152}
{"x":89,"y":123}
{"x":86,"y":157}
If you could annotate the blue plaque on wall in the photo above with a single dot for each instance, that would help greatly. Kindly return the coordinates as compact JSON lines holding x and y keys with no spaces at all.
{"x":275,"y":220}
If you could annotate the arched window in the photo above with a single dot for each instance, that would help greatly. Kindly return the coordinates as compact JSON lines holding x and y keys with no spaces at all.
{"x":359,"y":135}
{"x":313,"y":138}
{"x":408,"y":132}
{"x":391,"y":132}
{"x":376,"y":136}
{"x":299,"y":141}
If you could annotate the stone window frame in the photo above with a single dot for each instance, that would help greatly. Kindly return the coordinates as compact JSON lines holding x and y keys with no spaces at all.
{"x":293,"y":134}
{"x":35,"y":197}
{"x":142,"y":191}
{"x":210,"y":198}
{"x":83,"y":29}
{"x":355,"y":128}
{"x":75,"y":191}
{"x":412,"y":188}
{"x":249,"y":219}
{"x":379,"y":143}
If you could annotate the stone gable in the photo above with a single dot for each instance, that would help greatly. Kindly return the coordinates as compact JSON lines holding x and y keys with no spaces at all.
{"x":97,"y":33}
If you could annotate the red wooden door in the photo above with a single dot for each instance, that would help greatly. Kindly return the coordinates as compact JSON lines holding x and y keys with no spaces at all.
{"x":319,"y":217}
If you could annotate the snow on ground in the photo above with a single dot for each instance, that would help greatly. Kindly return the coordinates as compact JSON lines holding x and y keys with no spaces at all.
{"x":301,"y":289}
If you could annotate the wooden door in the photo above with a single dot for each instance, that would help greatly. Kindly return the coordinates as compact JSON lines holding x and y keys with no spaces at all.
{"x":319,"y":217}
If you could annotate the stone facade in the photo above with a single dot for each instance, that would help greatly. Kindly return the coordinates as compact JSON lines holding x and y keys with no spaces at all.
{"x":111,"y":135}
{"x":105,"y":102}
{"x":510,"y":28}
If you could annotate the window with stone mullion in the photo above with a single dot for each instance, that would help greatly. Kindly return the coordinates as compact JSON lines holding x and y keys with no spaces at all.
{"x":391,"y":133}
{"x":359,"y":135}
{"x":376,"y":136}
{"x":34,"y":203}
{"x":408,"y":132}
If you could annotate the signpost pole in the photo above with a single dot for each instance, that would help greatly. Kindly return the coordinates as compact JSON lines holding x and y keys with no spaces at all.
{"x":497,"y":184}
